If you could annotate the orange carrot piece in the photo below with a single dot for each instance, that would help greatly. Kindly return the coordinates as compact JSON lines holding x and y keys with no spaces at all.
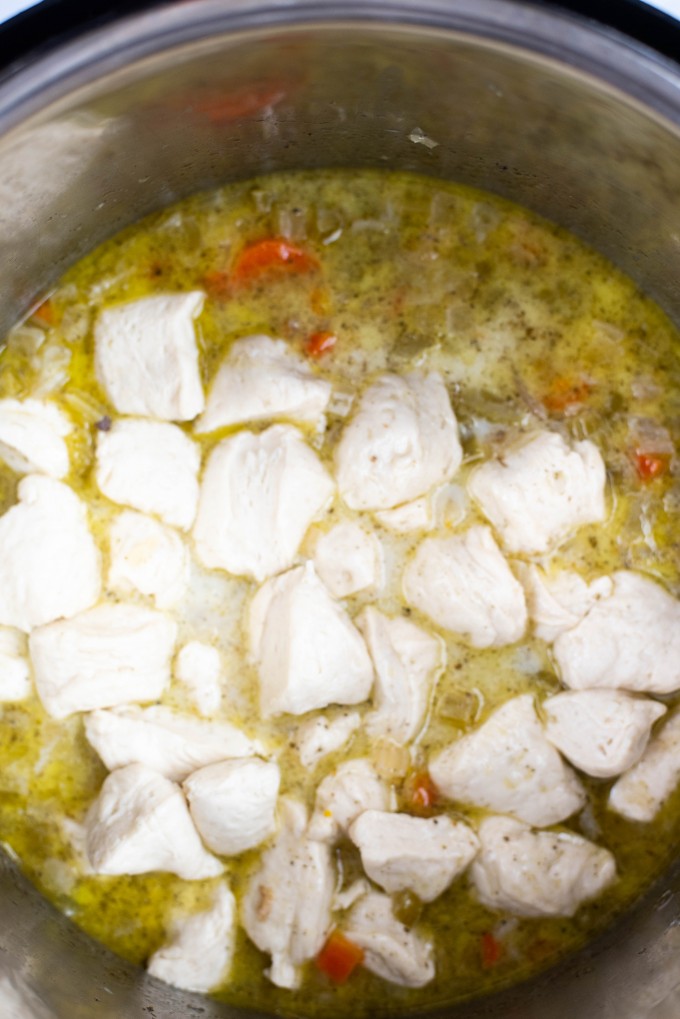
{"x":651,"y":465}
{"x":271,"y":253}
{"x":339,"y":957}
{"x":419,"y":793}
{"x":492,"y":950}
{"x":320,"y":343}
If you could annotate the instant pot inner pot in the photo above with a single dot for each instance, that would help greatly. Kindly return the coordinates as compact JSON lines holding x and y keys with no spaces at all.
{"x":105,"y":129}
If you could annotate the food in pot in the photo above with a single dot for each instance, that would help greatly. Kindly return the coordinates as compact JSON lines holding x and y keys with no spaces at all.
{"x":339,"y":593}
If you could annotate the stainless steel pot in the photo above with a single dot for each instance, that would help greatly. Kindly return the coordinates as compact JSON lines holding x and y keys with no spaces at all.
{"x":551,"y":110}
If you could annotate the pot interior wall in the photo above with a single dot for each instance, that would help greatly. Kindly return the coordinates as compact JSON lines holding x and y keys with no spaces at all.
{"x":119,"y":140}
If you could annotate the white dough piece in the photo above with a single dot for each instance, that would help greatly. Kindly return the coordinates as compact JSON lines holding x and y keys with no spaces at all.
{"x":140,"y":823}
{"x":111,"y":654}
{"x":558,"y":603}
{"x":146,"y":356}
{"x":602,"y":732}
{"x":32,"y":434}
{"x":49,"y":564}
{"x":286,"y":909}
{"x":508,"y":765}
{"x":233,"y":803}
{"x":15,"y":672}
{"x":198,"y":957}
{"x":260,"y":379}
{"x":464,"y":585}
{"x":318,"y":737}
{"x":308,"y":652}
{"x":199,"y":669}
{"x":348,"y":559}
{"x":407,"y":662}
{"x":259,"y":494}
{"x":343,"y":795}
{"x":544,"y":873}
{"x":630,"y":640}
{"x":421,"y":854}
{"x":539,"y":491}
{"x":173,"y":745}
{"x":150,"y":466}
{"x":641,"y":792}
{"x":148,"y":557}
{"x":400,"y":443}
{"x":391,"y":950}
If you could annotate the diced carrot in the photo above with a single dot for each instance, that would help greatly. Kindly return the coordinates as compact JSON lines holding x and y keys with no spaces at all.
{"x":224,"y":107}
{"x":566,"y":395}
{"x":492,"y":950}
{"x":271,"y":253}
{"x":320,"y":343}
{"x":217,"y":283}
{"x":339,"y":957}
{"x":419,"y":793}
{"x":46,"y":313}
{"x":651,"y":465}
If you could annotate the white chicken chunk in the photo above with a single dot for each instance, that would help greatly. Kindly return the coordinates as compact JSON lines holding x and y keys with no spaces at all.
{"x":15,"y":673}
{"x":539,"y":491}
{"x":286,"y":909}
{"x":602,"y":732}
{"x":558,"y":603}
{"x":391,"y":950}
{"x":418,"y":515}
{"x":308,"y":653}
{"x":111,"y":654}
{"x":508,"y":765}
{"x":49,"y":564}
{"x":423,"y":855}
{"x":544,"y":873}
{"x":198,"y":957}
{"x":343,"y":795}
{"x":260,"y":492}
{"x":199,"y":669}
{"x":140,"y":823}
{"x":171,"y":744}
{"x":348,"y":559}
{"x":640,"y":793}
{"x":464,"y":585}
{"x":400,"y":443}
{"x":32,"y":434}
{"x":233,"y":803}
{"x":407,"y":661}
{"x":261,"y":379}
{"x":146,"y":356}
{"x":318,"y":737}
{"x":148,"y":557}
{"x":630,"y":640}
{"x":150,"y":466}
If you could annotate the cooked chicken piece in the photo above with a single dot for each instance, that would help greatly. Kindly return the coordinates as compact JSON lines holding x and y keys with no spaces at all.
{"x":146,"y":356}
{"x":233,"y":802}
{"x":400,"y":443}
{"x":417,"y":515}
{"x":602,"y":732}
{"x":49,"y":564}
{"x":15,"y":673}
{"x":318,"y":737}
{"x":641,"y":792}
{"x":199,"y":669}
{"x":508,"y":765}
{"x":152,"y":467}
{"x":630,"y":640}
{"x":171,"y":744}
{"x":348,"y":559}
{"x":148,"y":557}
{"x":32,"y":434}
{"x":198,"y":957}
{"x":391,"y":950}
{"x":286,"y":909}
{"x":537,"y":873}
{"x":407,"y":662}
{"x":112,"y":654}
{"x":558,"y":603}
{"x":421,"y":854}
{"x":464,"y":585}
{"x":140,"y":823}
{"x":260,"y":492}
{"x":539,"y":491}
{"x":343,"y":795}
{"x":261,"y":379}
{"x":308,"y":653}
